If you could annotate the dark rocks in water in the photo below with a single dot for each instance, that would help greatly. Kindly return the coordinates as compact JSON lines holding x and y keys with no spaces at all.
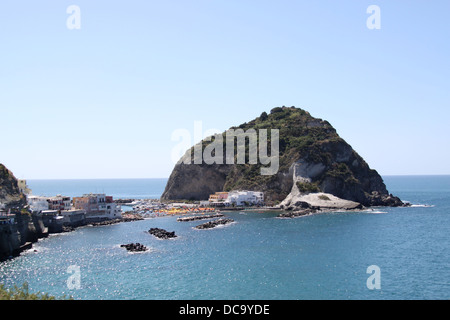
{"x":387,"y":200}
{"x":296,"y":213}
{"x":303,"y":205}
{"x":134,"y":247}
{"x":214,"y":223}
{"x":161,"y":233}
{"x":193,"y":218}
{"x":105,"y":222}
{"x":67,"y":228}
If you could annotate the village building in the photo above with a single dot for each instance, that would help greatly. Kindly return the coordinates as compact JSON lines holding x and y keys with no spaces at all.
{"x":59,"y":203}
{"x":73,"y":217}
{"x":98,"y":207}
{"x":244,"y":198}
{"x":37,"y":203}
{"x":236,"y":198}
{"x":218,"y":197}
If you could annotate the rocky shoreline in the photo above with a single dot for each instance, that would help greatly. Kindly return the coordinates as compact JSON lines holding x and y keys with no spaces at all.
{"x":29,"y":228}
{"x":296,"y":213}
{"x":300,"y":204}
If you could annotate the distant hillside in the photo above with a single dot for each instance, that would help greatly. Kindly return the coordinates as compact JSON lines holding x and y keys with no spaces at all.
{"x":312,"y":158}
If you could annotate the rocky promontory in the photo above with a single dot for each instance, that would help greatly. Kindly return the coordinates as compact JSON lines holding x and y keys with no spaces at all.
{"x":20,"y":228}
{"x":10,"y":194}
{"x":313,"y":159}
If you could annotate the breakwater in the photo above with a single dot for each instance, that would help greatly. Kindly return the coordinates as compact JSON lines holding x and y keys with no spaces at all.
{"x":214,"y":223}
{"x":194,"y":218}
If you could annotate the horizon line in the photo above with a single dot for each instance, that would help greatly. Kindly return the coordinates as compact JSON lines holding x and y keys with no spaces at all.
{"x":382,"y":175}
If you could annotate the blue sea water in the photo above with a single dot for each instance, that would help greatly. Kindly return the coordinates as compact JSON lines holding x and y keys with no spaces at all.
{"x":323,"y":256}
{"x":119,"y":188}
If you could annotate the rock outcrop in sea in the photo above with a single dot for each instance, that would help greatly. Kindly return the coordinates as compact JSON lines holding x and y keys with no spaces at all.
{"x":134,"y":247}
{"x":161,"y":233}
{"x":204,"y":217}
{"x":313,"y":158}
{"x":214,"y":223}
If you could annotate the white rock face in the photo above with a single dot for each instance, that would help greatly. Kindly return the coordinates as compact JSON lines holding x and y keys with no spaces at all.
{"x":322,"y":200}
{"x":304,"y":172}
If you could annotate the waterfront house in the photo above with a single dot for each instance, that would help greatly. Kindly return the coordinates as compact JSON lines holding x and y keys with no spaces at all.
{"x":37,"y":203}
{"x":73,"y":218}
{"x":59,"y":203}
{"x":98,"y":207}
{"x":240,"y":198}
{"x":52,"y":220}
{"x":218,"y":197}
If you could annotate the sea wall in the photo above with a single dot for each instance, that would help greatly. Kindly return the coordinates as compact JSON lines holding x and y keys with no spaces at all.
{"x":9,"y":241}
{"x":17,"y":236}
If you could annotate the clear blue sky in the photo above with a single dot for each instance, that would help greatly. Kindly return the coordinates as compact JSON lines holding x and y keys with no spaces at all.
{"x":103,"y":101}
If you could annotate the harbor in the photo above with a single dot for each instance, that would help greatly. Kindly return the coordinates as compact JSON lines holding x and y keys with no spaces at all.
{"x":150,"y":208}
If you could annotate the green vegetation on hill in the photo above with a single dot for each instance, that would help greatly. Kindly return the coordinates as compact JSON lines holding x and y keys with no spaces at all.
{"x":300,"y":133}
{"x":301,"y":136}
{"x":309,"y":150}
{"x":10,"y":193}
{"x":307,"y":187}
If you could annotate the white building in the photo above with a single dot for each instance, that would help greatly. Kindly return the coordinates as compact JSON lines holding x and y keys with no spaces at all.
{"x":240,"y":198}
{"x":37,"y":203}
{"x":111,"y":210}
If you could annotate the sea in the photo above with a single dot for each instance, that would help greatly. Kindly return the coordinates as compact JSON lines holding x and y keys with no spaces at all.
{"x":378,"y":253}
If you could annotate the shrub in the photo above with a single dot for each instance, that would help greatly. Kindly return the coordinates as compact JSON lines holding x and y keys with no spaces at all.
{"x":23,"y":293}
{"x":307,"y":187}
{"x":342,"y":171}
{"x":276,"y":109}
{"x":263,"y":116}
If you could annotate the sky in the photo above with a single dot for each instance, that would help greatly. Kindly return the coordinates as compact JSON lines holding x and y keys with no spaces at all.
{"x":103,"y":101}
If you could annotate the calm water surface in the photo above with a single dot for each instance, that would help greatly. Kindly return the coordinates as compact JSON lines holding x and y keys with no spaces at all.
{"x":322,"y":256}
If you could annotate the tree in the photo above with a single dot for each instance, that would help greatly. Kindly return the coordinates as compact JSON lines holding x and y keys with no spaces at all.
{"x":263,"y":116}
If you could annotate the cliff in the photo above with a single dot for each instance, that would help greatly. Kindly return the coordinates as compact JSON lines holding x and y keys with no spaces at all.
{"x":10,"y":195}
{"x":27,"y":228}
{"x":312,"y":159}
